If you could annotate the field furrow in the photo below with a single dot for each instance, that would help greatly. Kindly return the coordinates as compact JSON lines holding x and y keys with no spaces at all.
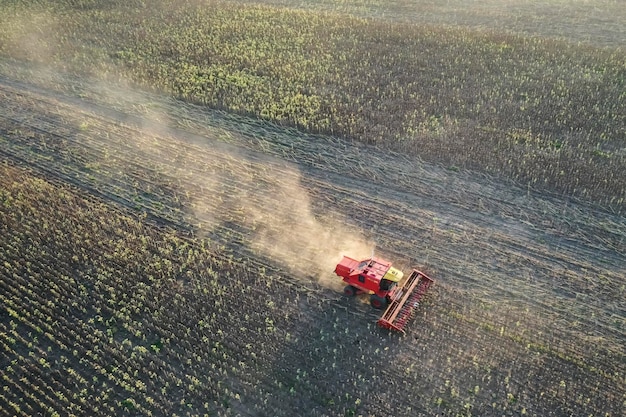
{"x":193,"y":253}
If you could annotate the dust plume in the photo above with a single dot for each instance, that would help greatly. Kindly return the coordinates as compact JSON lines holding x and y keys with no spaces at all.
{"x":237,"y":197}
{"x":287,"y":229}
{"x":275,"y":209}
{"x":234,"y":197}
{"x":32,"y":36}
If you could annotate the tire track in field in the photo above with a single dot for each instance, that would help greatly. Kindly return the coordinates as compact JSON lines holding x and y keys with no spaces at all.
{"x":236,"y":177}
{"x":347,"y":201}
{"x":498,"y":243}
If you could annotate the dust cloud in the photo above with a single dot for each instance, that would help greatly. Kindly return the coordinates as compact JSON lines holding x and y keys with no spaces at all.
{"x":279,"y":211}
{"x":269,"y":204}
{"x":33,"y":36}
{"x":236,"y":197}
{"x":232,"y":197}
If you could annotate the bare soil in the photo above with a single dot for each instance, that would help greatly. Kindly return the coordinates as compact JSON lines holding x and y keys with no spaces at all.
{"x":528,"y":314}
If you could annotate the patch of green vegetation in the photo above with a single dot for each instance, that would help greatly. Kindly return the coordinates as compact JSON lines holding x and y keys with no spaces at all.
{"x":518,"y":107}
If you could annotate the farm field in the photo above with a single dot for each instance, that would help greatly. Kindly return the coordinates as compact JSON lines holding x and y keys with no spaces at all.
{"x":597,"y":22}
{"x":543,"y":112}
{"x":219,"y":297}
{"x":167,"y":251}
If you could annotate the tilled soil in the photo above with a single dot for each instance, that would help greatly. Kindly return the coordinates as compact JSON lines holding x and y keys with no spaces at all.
{"x":528,"y":314}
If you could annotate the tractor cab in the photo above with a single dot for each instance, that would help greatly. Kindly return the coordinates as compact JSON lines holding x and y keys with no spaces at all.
{"x":373,"y":276}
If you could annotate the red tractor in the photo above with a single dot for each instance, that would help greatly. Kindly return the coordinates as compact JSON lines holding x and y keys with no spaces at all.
{"x":378,"y":278}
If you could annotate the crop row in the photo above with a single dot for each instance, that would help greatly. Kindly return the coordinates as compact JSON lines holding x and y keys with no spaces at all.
{"x":155,"y":115}
{"x":233,"y":198}
{"x":546,"y":114}
{"x":102,"y":319}
{"x":117,"y":317}
{"x":161,"y":296}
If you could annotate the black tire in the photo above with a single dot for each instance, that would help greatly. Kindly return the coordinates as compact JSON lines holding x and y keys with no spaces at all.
{"x":349,"y":291}
{"x":379,"y":303}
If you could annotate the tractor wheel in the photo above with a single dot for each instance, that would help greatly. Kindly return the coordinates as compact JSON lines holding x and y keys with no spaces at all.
{"x":349,"y":291}
{"x":377,"y":302}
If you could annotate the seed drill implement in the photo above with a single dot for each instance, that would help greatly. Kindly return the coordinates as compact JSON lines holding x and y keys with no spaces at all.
{"x":381,"y":281}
